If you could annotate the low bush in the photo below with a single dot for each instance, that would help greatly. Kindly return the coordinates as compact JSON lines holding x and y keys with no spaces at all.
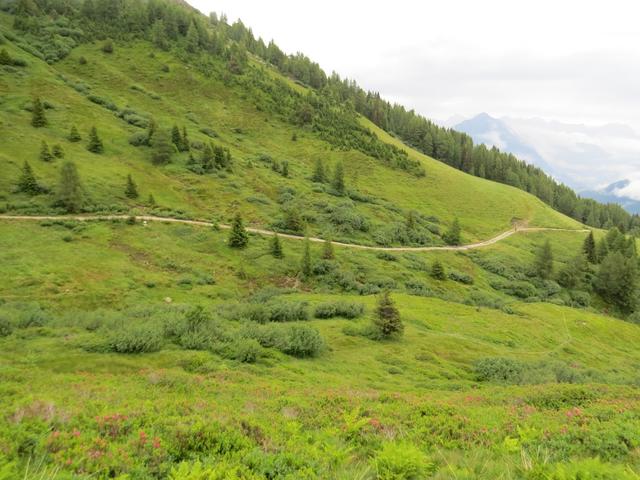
{"x":499,"y":370}
{"x":338,"y":309}
{"x":404,"y":461}
{"x":276,"y":311}
{"x":6,"y":328}
{"x":135,"y":338}
{"x":461,"y":277}
{"x":302,"y":341}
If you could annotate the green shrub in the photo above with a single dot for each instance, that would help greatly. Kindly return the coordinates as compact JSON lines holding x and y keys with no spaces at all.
{"x":498,"y":369}
{"x":461,"y":277}
{"x":301,"y":341}
{"x":135,"y":338}
{"x":139,"y":139}
{"x":402,"y":461}
{"x":338,"y":309}
{"x":6,"y":328}
{"x":245,"y":350}
{"x":276,"y":311}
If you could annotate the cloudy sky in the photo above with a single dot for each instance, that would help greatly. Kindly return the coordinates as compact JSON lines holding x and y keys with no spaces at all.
{"x":572,"y":61}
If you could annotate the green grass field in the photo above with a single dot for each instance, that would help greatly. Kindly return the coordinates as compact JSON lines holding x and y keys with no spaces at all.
{"x":143,"y":351}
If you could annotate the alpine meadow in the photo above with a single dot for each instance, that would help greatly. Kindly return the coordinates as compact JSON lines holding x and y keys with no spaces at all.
{"x":217,"y":262}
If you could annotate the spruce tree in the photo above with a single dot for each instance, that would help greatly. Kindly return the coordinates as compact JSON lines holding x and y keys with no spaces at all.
{"x":602,"y":250}
{"x":452,"y":237}
{"x":131,"y":190}
{"x":185,"y":140}
{"x":238,"y":237}
{"x":437,"y":271}
{"x":387,"y":321}
{"x":74,"y":135}
{"x":319,"y":175}
{"x":163,"y":149}
{"x":305,"y":264}
{"x":176,"y":138}
{"x":616,"y":281}
{"x":589,"y":248}
{"x":151,"y":201}
{"x":338,"y":178}
{"x":45,"y":154}
{"x":69,"y":194}
{"x":151,"y":131}
{"x":276,"y":247}
{"x":95,"y":144}
{"x":27,"y":182}
{"x":57,"y":151}
{"x":573,"y":274}
{"x":327,"y":250}
{"x":38,"y":118}
{"x":543,"y":263}
{"x":285,"y":169}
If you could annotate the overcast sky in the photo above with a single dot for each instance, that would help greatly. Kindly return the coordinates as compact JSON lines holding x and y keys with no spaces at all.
{"x":573,"y":61}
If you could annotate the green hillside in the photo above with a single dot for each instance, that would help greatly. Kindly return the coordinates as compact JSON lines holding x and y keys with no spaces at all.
{"x":147,"y":349}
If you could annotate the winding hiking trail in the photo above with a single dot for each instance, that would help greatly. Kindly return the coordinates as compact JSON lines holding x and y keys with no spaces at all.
{"x":260,"y":231}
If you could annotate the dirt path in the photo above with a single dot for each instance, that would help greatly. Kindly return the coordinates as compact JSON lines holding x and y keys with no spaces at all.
{"x":259,"y":231}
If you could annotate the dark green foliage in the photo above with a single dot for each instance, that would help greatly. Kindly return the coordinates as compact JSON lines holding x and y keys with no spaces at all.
{"x":437,"y":271}
{"x":131,"y":189}
{"x":238,"y":236}
{"x":302,"y":341}
{"x":292,"y":221}
{"x":543,"y":263}
{"x":163,"y":149}
{"x":306,"y":268}
{"x":386,"y":321}
{"x":616,"y":280}
{"x":327,"y":250}
{"x":151,"y":201}
{"x":74,"y":135}
{"x":107,"y":46}
{"x":95,"y":144}
{"x":6,"y":327}
{"x":57,"y":151}
{"x":452,"y":237}
{"x":338,"y":179}
{"x":27,"y":182}
{"x":574,"y":273}
{"x":45,"y":154}
{"x":500,"y":370}
{"x":6,"y":59}
{"x":285,"y":169}
{"x":589,"y":248}
{"x":318,"y":172}
{"x":38,"y":118}
{"x":176,"y":138}
{"x":276,"y":247}
{"x":338,"y":309}
{"x":461,"y":277}
{"x":136,"y":338}
{"x":69,"y":193}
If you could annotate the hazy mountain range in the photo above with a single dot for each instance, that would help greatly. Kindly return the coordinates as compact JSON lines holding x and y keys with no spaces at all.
{"x":600,"y":162}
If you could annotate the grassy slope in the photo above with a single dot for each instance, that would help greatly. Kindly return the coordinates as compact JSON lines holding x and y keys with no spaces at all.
{"x":483,"y":207}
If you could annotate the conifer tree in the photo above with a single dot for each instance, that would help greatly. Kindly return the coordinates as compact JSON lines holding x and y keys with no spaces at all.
{"x":151,"y":131}
{"x":589,"y":248}
{"x":185,"y":140}
{"x":74,"y":135}
{"x":131,"y":189}
{"x":163,"y":149}
{"x":45,"y":154}
{"x":602,"y":250}
{"x":338,"y":178}
{"x":543,"y":264}
{"x":305,"y":264}
{"x":437,"y":271}
{"x":616,"y":280}
{"x":452,"y":237}
{"x":95,"y":144}
{"x":57,"y":151}
{"x":276,"y":247}
{"x":238,"y":237}
{"x":327,"y":250}
{"x":151,"y":201}
{"x":573,"y":274}
{"x":387,"y":321}
{"x":176,"y":138}
{"x":38,"y":118}
{"x":285,"y":169}
{"x":69,"y":194}
{"x":319,"y":175}
{"x":27,"y":182}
